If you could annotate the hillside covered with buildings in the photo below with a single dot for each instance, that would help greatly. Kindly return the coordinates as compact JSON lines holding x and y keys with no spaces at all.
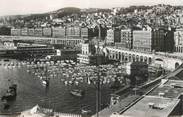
{"x":157,"y":28}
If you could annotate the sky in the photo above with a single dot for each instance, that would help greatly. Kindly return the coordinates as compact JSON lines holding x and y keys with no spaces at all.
{"x":15,"y":7}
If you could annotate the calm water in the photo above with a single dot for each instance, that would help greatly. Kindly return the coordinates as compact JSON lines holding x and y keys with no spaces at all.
{"x":31,"y":92}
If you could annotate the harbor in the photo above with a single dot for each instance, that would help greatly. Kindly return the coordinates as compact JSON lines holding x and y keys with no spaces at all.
{"x":87,"y":59}
{"x":63,"y":77}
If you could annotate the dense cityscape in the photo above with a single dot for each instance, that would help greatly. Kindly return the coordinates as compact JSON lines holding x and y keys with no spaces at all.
{"x":93,"y":62}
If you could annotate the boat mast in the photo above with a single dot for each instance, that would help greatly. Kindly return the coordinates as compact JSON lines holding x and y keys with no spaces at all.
{"x":46,"y":72}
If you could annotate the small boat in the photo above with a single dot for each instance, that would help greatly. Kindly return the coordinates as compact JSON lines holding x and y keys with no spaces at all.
{"x":6,"y":106}
{"x":70,"y":82}
{"x":77,"y":83}
{"x":85,"y":110}
{"x":45,"y":82}
{"x":77,"y":92}
{"x":11,"y":93}
{"x":65,"y":83}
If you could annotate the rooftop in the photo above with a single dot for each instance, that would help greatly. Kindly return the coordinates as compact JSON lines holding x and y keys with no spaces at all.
{"x":162,"y":100}
{"x":106,"y":112}
{"x":162,"y":107}
{"x":170,"y":89}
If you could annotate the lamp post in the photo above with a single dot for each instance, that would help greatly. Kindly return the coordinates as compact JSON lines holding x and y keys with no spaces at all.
{"x":98,"y":96}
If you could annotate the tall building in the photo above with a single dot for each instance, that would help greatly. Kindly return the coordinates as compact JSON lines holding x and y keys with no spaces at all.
{"x":73,"y":31}
{"x":126,"y":39}
{"x":58,"y":32}
{"x":160,"y":39}
{"x":30,"y":31}
{"x":142,"y":40}
{"x":113,"y":36}
{"x":86,"y":53}
{"x":86,"y":32}
{"x":86,"y":49}
{"x":47,"y":32}
{"x":89,"y":56}
{"x":24,"y":31}
{"x":169,"y":41}
{"x":38,"y":32}
{"x":110,"y":36}
{"x":15,"y":32}
{"x":103,"y":32}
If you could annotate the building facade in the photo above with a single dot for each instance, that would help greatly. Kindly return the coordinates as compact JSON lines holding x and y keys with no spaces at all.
{"x":85,"y":49}
{"x":58,"y":32}
{"x":73,"y":31}
{"x":66,"y":42}
{"x":178,"y":38}
{"x":84,"y":57}
{"x":126,"y":39}
{"x":15,"y":32}
{"x":113,"y":36}
{"x":24,"y":31}
{"x":169,"y":41}
{"x":85,"y":32}
{"x":110,"y":37}
{"x":88,"y":55}
{"x":159,"y":39}
{"x":142,"y":40}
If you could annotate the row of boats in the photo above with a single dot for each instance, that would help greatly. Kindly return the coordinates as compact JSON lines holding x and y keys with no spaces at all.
{"x":71,"y":73}
{"x":43,"y":72}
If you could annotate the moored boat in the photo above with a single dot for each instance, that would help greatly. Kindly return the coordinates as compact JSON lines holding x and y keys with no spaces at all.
{"x":11,"y":93}
{"x":77,"y":92}
{"x":6,"y":105}
{"x":45,"y":82}
{"x":85,"y":110}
